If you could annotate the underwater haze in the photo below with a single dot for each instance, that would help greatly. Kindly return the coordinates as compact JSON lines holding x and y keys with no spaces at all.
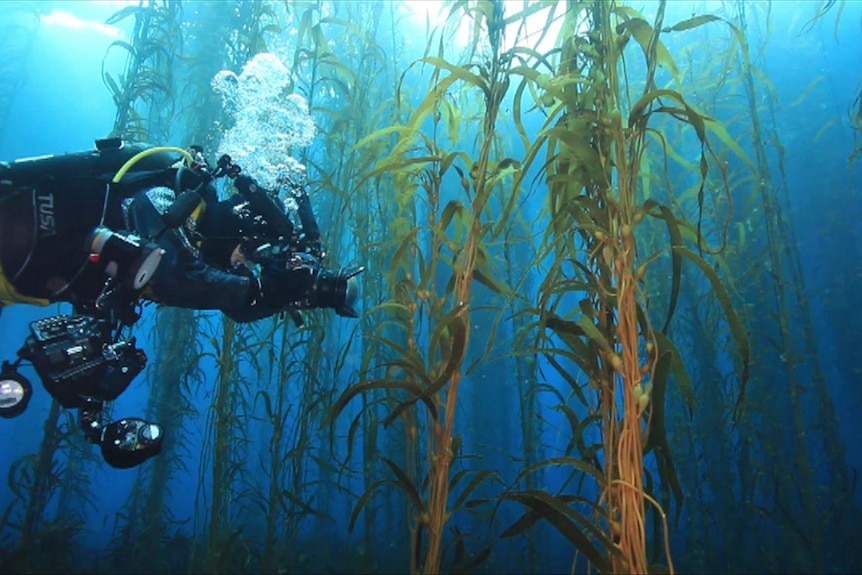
{"x":610,"y":315}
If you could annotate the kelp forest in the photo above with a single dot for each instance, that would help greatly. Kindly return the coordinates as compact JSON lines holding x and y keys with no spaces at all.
{"x":592,"y":337}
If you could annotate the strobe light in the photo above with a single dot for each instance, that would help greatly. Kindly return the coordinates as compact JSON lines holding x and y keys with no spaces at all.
{"x":124,"y":256}
{"x":15,"y":392}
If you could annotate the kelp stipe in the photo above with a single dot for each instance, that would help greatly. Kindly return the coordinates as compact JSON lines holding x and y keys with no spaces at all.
{"x":235,"y":350}
{"x":42,"y":525}
{"x":146,"y":102}
{"x":438,"y":249}
{"x":598,"y":208}
{"x":33,"y":480}
{"x":148,"y":75}
{"x":807,"y":504}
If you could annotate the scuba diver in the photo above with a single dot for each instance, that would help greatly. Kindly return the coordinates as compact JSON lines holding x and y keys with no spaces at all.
{"x":107,"y":229}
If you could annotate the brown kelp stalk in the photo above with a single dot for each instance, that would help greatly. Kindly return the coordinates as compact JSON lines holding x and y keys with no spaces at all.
{"x":495,"y":83}
{"x":42,"y":472}
{"x":340,"y":85}
{"x":792,"y":311}
{"x":418,"y":307}
{"x":623,"y":439}
{"x":595,"y":158}
{"x":147,"y":74}
{"x":223,"y":472}
{"x":152,"y":56}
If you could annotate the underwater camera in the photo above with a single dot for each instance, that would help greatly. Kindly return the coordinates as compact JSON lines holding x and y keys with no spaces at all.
{"x":339,"y":289}
{"x":74,"y":358}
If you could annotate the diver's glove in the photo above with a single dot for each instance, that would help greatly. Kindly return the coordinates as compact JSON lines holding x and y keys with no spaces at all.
{"x":303,"y":283}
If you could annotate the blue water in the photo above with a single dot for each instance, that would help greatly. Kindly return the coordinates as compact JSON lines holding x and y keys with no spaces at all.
{"x":63,"y":106}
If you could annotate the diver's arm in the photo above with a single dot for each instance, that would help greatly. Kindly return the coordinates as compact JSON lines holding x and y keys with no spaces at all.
{"x":183,"y":280}
{"x":187,"y":282}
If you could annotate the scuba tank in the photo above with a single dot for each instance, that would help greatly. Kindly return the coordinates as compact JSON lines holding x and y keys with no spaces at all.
{"x":51,"y":208}
{"x":101,"y":164}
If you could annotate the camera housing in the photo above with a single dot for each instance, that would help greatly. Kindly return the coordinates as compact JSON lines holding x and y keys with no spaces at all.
{"x":75,"y":358}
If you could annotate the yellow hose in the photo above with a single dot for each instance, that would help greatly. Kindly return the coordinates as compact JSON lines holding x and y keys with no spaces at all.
{"x":148,"y":152}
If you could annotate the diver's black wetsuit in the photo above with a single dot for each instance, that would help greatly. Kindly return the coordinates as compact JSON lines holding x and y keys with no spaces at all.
{"x":46,"y":219}
{"x":55,"y":212}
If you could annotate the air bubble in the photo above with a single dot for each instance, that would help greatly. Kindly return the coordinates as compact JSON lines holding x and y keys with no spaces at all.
{"x":267,"y":121}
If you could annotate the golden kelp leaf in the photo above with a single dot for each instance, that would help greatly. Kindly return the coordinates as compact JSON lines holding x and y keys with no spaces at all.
{"x":561,"y":326}
{"x":822,"y":130}
{"x":530,"y":9}
{"x":676,"y":259}
{"x":516,"y":187}
{"x":453,"y":120}
{"x":405,"y":484}
{"x":452,"y":208}
{"x":582,"y":360}
{"x":354,"y":390}
{"x":733,"y":320}
{"x":657,"y":441}
{"x":456,"y":329}
{"x":593,"y":332}
{"x":350,"y":26}
{"x":354,"y":427}
{"x":267,"y":403}
{"x":363,"y":501}
{"x":343,"y":71}
{"x":428,"y":107}
{"x":645,"y":175}
{"x":378,"y":134}
{"x":678,"y":368}
{"x":705,"y":19}
{"x":719,"y":130}
{"x":577,"y":144}
{"x":459,"y":72}
{"x":516,"y":112}
{"x":823,"y":7}
{"x":642,"y":32}
{"x":566,"y":520}
{"x":400,"y":257}
{"x":113,"y":88}
{"x":691,"y":23}
{"x":531,"y":517}
{"x":670,"y":151}
{"x":578,"y":429}
{"x":503,"y":172}
{"x":526,"y":521}
{"x":638,"y":113}
{"x":298,"y":505}
{"x":489,"y":282}
{"x":449,"y":161}
{"x":477,"y":480}
{"x":808,"y":90}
